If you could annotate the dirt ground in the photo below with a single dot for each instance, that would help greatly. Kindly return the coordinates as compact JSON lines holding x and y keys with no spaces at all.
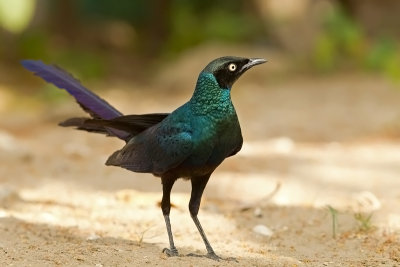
{"x":309,"y":144}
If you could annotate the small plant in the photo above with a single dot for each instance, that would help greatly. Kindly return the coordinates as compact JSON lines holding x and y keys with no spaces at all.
{"x":333,"y":213}
{"x":140,"y":235}
{"x":364,"y":221}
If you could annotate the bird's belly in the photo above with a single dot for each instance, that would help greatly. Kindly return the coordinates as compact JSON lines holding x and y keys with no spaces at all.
{"x":204,"y":161}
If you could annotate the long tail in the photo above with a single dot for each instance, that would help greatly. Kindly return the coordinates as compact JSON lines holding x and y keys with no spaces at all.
{"x":131,"y":124}
{"x":90,"y":102}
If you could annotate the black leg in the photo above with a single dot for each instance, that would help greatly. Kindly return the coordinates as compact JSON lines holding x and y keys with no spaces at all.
{"x":198,"y":185}
{"x":166,"y":207}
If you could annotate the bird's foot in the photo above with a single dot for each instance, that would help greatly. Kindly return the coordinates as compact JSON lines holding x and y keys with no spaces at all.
{"x":212,"y":256}
{"x":172,"y":252}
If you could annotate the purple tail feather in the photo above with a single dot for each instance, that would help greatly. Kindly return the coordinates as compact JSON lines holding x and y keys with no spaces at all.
{"x":90,"y":102}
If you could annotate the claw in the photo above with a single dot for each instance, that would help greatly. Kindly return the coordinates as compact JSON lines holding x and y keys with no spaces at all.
{"x":170,"y":252}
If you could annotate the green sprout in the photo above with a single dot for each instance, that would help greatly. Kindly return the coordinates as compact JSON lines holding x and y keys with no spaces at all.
{"x":333,"y":213}
{"x":364,"y":221}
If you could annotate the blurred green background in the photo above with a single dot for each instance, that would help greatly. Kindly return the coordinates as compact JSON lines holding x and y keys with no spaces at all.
{"x":92,"y":37}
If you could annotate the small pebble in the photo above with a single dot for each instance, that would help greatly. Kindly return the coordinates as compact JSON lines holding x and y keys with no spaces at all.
{"x":366,"y":202}
{"x":92,"y":237}
{"x":262,"y":230}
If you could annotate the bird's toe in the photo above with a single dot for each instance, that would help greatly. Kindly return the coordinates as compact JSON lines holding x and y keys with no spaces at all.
{"x":173,"y":252}
{"x":213,"y":256}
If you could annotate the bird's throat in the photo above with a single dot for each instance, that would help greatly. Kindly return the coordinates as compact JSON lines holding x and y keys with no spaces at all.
{"x":209,"y":98}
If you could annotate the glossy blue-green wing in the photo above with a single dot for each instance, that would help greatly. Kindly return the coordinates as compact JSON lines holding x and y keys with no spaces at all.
{"x":156,"y":150}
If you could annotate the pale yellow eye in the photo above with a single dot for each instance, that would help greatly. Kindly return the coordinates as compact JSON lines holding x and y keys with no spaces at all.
{"x":232,"y":67}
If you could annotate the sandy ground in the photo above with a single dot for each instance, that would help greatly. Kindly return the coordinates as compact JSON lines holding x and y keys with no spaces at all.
{"x":309,"y":144}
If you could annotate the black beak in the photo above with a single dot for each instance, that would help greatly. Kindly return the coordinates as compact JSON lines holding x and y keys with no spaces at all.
{"x":252,"y":62}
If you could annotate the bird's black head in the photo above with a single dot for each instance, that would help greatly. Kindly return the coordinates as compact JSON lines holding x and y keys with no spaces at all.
{"x":227,"y":70}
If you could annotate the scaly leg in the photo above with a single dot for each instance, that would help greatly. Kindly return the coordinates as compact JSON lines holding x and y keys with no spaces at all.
{"x":198,"y":185}
{"x":166,"y":207}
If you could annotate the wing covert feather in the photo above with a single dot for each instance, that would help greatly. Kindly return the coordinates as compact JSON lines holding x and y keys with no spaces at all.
{"x":156,"y":150}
